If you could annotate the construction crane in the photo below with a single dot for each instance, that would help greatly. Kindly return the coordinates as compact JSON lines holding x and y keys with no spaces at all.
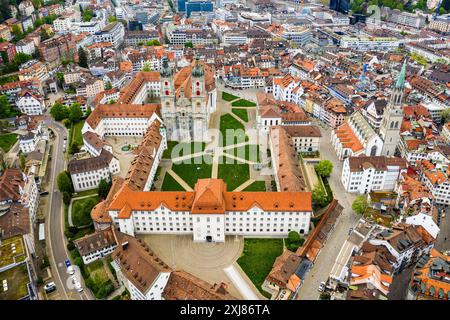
{"x":438,"y":7}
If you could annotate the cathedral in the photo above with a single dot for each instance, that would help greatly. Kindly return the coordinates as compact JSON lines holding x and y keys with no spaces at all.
{"x":393,"y":116}
{"x":357,"y":137}
{"x":188,"y":98}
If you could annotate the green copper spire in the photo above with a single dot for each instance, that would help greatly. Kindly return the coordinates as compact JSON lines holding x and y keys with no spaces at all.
{"x":166,"y":71}
{"x":197,"y":71}
{"x":400,"y":84}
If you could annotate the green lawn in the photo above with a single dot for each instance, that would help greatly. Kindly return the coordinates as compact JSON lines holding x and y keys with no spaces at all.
{"x":191,"y":172}
{"x":258,"y":258}
{"x":81,"y":210}
{"x":247,"y":152}
{"x":97,"y":279}
{"x":7,"y":141}
{"x":256,"y":186}
{"x":241,"y":113}
{"x":243,"y":103}
{"x":233,"y":174}
{"x":170,"y":184}
{"x":227,"y":122}
{"x":182,"y":149}
{"x":228,"y":96}
{"x":75,"y":133}
{"x":17,"y":280}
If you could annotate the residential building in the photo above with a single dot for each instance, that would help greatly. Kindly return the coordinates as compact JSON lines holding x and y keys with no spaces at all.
{"x":30,"y":103}
{"x":114,"y":33}
{"x":430,"y":279}
{"x":96,"y":246}
{"x":365,"y":174}
{"x":87,"y":173}
{"x":33,"y":69}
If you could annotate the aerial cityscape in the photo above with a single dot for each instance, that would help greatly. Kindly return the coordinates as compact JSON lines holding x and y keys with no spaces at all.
{"x":225,"y":150}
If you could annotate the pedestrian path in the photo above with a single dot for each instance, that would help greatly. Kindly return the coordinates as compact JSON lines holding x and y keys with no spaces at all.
{"x":69,"y":213}
{"x":244,"y":185}
{"x":240,"y":283}
{"x":179,"y":180}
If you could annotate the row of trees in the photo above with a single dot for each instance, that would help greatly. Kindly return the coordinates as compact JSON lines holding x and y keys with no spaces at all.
{"x":6,"y":111}
{"x":13,"y":65}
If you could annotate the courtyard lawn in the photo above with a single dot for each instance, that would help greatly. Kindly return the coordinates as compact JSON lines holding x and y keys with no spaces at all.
{"x":7,"y":255}
{"x":193,"y":171}
{"x":247,"y":152}
{"x":241,"y":113}
{"x":76,"y":136}
{"x":228,"y":122}
{"x":170,"y":184}
{"x":228,"y":96}
{"x":183,"y":148}
{"x":233,"y":174}
{"x":243,"y":103}
{"x":98,"y":280}
{"x":7,"y":141}
{"x":256,"y":186}
{"x":258,"y":258}
{"x":16,"y":280}
{"x":81,"y":210}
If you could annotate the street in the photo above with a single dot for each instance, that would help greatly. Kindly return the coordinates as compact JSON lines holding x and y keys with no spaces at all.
{"x":324,"y":262}
{"x":56,"y":240}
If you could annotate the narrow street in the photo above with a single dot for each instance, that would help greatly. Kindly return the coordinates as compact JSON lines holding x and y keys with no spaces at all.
{"x":324,"y":263}
{"x":56,"y":242}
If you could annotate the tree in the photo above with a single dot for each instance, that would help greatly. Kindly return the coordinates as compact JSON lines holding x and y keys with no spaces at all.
{"x":153,"y":42}
{"x":112,"y":19}
{"x":17,"y":32}
{"x":74,"y":148}
{"x":5,"y":107}
{"x":147,"y":67}
{"x":445,"y":115}
{"x":66,"y":198}
{"x":64,"y":182}
{"x":108,"y":86}
{"x":319,"y":197}
{"x":82,"y":58}
{"x":103,"y":188}
{"x":189,"y":44}
{"x":22,"y":161}
{"x":59,"y":112}
{"x":75,"y":112}
{"x":60,"y":77}
{"x":44,"y":35}
{"x":21,"y":58}
{"x":324,"y":168}
{"x":360,"y":204}
{"x":294,"y":236}
{"x":87,"y":15}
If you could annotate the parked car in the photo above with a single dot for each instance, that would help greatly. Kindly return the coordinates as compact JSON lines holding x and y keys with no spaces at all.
{"x":69,"y":267}
{"x":322,"y":286}
{"x":78,"y":286}
{"x":50,"y":287}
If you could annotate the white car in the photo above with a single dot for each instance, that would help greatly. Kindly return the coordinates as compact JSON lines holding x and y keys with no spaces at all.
{"x":78,"y":287}
{"x":70,"y":270}
{"x":322,"y":286}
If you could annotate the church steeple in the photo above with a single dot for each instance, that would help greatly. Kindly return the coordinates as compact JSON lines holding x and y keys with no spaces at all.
{"x":197,"y":71}
{"x":399,"y":88}
{"x":166,"y":71}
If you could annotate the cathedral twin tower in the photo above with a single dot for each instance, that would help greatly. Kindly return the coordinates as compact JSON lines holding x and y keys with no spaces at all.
{"x":184,"y":102}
